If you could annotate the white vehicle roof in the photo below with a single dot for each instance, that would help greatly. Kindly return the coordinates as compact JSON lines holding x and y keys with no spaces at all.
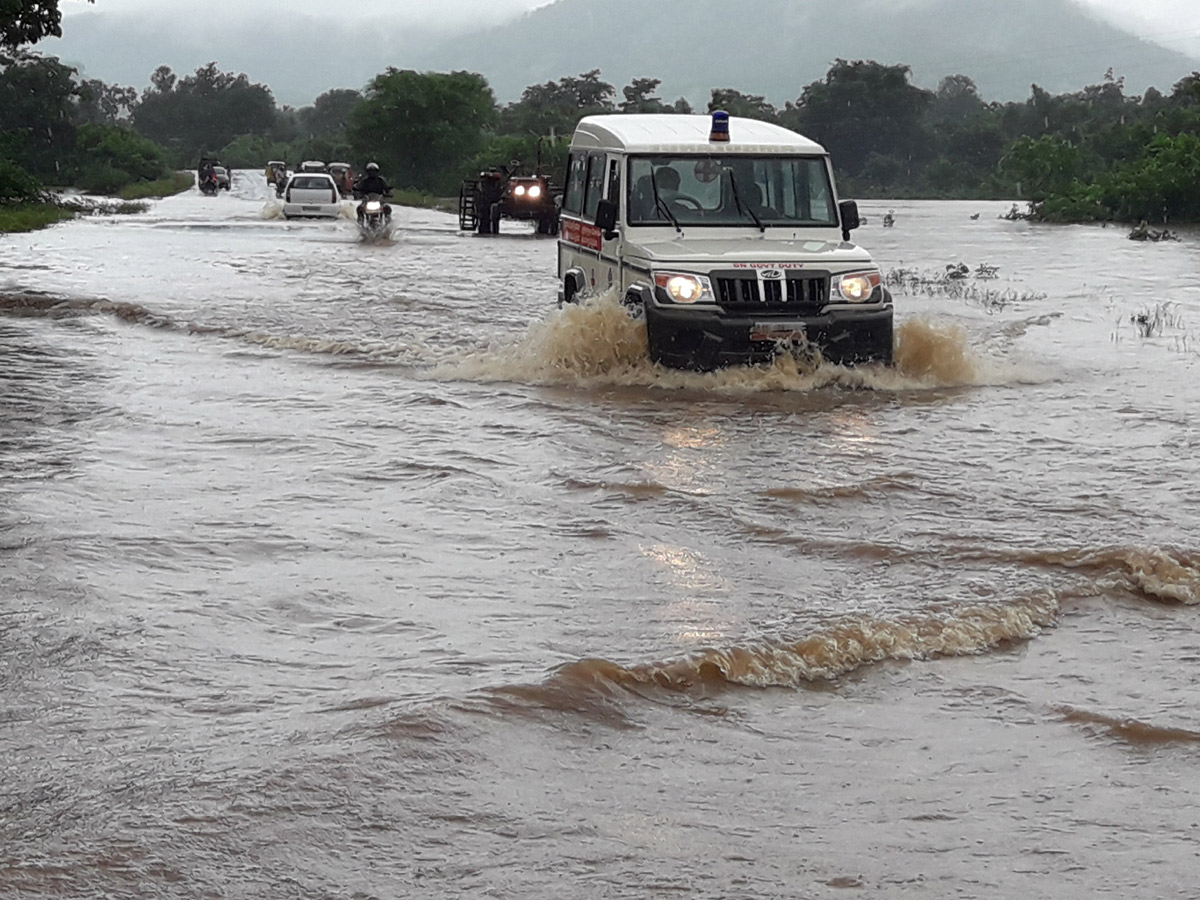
{"x":673,"y":133}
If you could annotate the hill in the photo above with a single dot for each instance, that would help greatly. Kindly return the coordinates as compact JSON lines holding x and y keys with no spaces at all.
{"x":774,"y":48}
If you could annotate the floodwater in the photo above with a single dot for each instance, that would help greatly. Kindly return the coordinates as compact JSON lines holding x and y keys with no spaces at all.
{"x":345,"y":570}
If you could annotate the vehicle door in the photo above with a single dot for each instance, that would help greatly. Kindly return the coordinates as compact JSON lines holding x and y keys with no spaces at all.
{"x":584,"y":248}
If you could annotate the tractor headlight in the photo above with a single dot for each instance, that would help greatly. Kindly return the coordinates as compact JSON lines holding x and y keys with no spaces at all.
{"x":857,"y":287}
{"x":519,"y":190}
{"x":535,"y":191}
{"x":682,"y":287}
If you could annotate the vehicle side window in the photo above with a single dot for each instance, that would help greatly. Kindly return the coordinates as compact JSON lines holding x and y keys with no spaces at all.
{"x":614,"y":181}
{"x":595,"y":184}
{"x":576,"y":182}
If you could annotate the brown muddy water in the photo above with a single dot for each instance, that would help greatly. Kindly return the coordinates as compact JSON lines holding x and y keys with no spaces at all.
{"x":336,"y":570}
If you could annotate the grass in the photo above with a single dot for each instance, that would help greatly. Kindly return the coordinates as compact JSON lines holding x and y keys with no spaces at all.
{"x":425,"y":201}
{"x":164,"y":187}
{"x":23,"y":217}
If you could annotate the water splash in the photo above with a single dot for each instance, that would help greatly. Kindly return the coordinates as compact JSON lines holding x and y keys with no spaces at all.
{"x":596,"y":342}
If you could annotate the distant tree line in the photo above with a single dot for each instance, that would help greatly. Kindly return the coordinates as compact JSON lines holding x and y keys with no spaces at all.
{"x":1094,"y":154}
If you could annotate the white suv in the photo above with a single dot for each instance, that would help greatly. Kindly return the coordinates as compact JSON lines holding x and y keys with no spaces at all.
{"x":726,"y":234}
{"x":311,"y":195}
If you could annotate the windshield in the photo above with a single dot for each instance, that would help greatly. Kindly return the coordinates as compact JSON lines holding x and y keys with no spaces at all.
{"x":759,"y":191}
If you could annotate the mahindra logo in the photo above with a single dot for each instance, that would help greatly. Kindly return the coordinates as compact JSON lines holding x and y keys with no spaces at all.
{"x":770,"y":274}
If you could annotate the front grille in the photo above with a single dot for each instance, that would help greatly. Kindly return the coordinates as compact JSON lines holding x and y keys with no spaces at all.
{"x":797,"y":293}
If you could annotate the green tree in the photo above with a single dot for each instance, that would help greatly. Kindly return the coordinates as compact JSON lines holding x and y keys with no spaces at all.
{"x":37,"y":101}
{"x":555,"y":108}
{"x":204,"y":111}
{"x":1043,"y":166}
{"x":329,"y":114}
{"x":102,"y":103}
{"x":422,"y":129}
{"x":738,"y":104}
{"x":955,"y":101}
{"x":864,"y":107}
{"x":28,"y":21}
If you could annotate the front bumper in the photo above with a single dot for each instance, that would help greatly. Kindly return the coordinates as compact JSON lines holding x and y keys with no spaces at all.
{"x":708,"y":338}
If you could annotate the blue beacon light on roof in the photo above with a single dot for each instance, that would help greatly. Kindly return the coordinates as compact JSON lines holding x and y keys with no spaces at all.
{"x":720,"y":127}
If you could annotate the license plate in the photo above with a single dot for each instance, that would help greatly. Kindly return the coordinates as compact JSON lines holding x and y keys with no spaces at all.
{"x":778,"y":331}
{"x":310,"y":208}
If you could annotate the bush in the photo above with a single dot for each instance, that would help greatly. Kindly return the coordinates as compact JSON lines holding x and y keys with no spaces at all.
{"x":17,"y":185}
{"x":101,"y":178}
{"x":114,"y":156}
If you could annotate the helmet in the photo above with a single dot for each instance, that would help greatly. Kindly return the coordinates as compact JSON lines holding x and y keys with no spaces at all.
{"x":372,"y":167}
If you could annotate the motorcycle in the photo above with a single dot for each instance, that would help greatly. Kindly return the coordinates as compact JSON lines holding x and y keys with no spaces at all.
{"x":374,"y":217}
{"x":208,"y":183}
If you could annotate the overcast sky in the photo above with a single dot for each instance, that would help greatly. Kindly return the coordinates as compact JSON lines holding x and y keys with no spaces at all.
{"x":1173,"y":23}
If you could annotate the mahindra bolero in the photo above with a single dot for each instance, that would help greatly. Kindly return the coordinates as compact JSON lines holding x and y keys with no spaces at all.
{"x":726,"y":234}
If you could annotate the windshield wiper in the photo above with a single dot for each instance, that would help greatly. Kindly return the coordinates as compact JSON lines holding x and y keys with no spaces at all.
{"x":660,"y":203}
{"x":746,"y":208}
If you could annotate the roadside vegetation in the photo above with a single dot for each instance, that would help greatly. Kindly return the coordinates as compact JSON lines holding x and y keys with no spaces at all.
{"x":1094,"y":155}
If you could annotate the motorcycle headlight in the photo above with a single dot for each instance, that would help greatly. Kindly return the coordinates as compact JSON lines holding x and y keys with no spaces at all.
{"x":374,"y":206}
{"x":857,"y":287}
{"x":683,"y":287}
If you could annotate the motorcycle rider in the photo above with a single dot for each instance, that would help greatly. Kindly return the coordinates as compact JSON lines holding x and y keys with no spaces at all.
{"x":206,"y":177}
{"x":372,"y":182}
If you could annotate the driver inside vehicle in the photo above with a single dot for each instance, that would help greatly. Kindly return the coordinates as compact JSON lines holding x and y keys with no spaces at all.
{"x":667,"y":181}
{"x":747,"y":193}
{"x":657,"y":192}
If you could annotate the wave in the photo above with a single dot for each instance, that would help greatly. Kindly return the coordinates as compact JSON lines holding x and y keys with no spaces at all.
{"x":594,"y":687}
{"x":867,"y":488}
{"x":55,"y":307}
{"x":1131,"y":731}
{"x":1163,"y":574}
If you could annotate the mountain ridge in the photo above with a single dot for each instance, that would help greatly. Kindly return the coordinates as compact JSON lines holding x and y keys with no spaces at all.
{"x":693,"y":46}
{"x":1004,"y":46}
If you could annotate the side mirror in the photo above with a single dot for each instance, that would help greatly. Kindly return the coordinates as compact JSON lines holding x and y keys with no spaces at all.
{"x":848,"y":209}
{"x":606,"y":218}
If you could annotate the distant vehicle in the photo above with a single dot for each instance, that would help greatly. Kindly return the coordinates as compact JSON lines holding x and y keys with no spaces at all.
{"x":343,"y":174}
{"x":311,"y":195}
{"x":312,"y":165}
{"x":206,"y":180}
{"x":276,"y":171}
{"x":503,"y":193}
{"x":223,"y":179}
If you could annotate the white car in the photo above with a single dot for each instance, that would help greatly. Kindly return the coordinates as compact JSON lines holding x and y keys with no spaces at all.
{"x":311,"y":195}
{"x":223,"y":178}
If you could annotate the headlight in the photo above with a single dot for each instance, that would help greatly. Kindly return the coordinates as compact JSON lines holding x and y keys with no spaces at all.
{"x":374,"y":206}
{"x":857,"y":287}
{"x":535,"y":190}
{"x":519,"y":190}
{"x":684,"y":288}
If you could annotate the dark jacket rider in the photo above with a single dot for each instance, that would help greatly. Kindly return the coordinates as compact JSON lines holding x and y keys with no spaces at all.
{"x":372,"y":183}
